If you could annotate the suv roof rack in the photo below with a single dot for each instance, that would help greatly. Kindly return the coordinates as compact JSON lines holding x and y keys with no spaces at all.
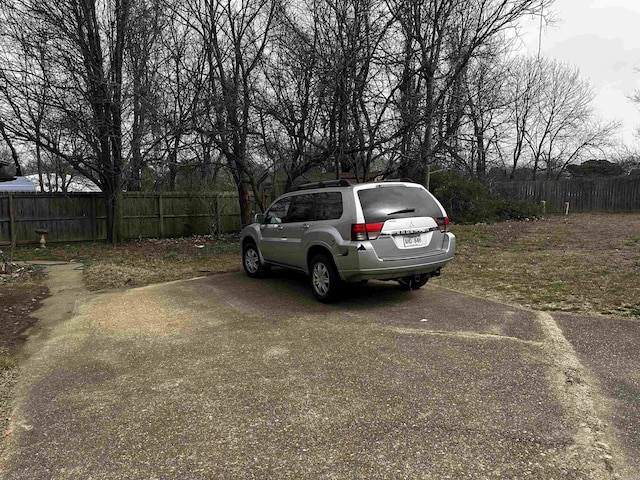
{"x":324,"y":184}
{"x":405,"y":179}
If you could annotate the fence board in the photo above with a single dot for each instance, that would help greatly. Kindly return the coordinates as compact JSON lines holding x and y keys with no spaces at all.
{"x":81,"y":216}
{"x":607,"y":195}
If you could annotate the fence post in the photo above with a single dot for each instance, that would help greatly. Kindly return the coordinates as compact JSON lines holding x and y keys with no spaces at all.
{"x":161,"y":215}
{"x":94,"y":219}
{"x":216,"y":213}
{"x":12,"y":221}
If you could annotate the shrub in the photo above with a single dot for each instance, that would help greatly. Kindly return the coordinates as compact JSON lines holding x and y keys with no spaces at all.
{"x":468,"y":200}
{"x":520,"y":210}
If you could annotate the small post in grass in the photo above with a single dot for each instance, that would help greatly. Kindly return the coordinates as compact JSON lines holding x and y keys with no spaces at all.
{"x":566,"y":208}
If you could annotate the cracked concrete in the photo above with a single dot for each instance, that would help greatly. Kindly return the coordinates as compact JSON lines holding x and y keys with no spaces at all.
{"x":577,"y":390}
{"x":228,"y":377}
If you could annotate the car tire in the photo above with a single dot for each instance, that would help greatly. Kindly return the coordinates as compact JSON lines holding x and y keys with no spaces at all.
{"x":251,"y":261}
{"x":325,"y":281}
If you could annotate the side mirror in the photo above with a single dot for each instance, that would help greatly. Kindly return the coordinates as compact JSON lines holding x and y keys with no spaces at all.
{"x":258,"y":218}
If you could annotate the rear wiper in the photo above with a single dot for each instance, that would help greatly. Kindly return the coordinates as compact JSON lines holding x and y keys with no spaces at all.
{"x":405,"y":210}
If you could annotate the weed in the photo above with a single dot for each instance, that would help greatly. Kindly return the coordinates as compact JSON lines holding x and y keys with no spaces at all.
{"x":633,"y":243}
{"x":626,"y":393}
{"x":557,"y":287}
{"x":6,"y":363}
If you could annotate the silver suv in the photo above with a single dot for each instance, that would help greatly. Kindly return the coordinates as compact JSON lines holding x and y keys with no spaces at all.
{"x":336,"y":232}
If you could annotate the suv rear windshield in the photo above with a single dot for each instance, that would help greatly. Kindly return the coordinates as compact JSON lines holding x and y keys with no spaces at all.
{"x":396,"y":201}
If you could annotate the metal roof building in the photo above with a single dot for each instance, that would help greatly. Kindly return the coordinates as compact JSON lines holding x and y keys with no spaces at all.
{"x":20,"y":184}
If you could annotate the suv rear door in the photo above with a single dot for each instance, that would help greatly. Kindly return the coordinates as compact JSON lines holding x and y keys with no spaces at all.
{"x":406,"y":217}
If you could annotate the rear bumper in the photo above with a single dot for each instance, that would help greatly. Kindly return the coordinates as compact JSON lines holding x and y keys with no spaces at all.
{"x":364,"y":264}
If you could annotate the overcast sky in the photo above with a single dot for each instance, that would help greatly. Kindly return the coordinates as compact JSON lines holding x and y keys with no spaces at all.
{"x":601,"y":38}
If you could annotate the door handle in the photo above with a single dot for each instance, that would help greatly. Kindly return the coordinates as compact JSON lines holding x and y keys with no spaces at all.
{"x":305,"y":226}
{"x":280,"y":227}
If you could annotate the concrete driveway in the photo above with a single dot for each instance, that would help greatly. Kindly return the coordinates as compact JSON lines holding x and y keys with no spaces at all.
{"x":228,"y":377}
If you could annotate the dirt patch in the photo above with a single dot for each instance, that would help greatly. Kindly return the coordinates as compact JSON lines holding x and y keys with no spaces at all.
{"x":17,"y":303}
{"x":19,"y":297}
{"x":142,"y":310}
{"x":21,"y":293}
{"x":130,"y":272}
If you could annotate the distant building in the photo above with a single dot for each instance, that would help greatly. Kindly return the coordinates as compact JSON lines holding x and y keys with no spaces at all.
{"x":20,"y":184}
{"x":57,"y":183}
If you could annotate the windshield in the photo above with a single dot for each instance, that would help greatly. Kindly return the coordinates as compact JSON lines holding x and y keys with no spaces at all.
{"x":396,"y":201}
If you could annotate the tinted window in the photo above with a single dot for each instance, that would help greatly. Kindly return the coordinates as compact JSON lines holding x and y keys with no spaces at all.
{"x":383,"y":203}
{"x":328,"y":206}
{"x":278,"y":211}
{"x":301,"y":209}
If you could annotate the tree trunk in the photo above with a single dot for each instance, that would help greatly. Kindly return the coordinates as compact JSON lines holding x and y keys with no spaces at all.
{"x":245,"y":204}
{"x":113,"y":197}
{"x":134,"y":182}
{"x":173,"y":166}
{"x":481,"y":164}
{"x":39,"y":164}
{"x":14,"y":153}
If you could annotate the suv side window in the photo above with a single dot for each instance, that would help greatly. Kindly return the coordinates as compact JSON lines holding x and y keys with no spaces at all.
{"x":301,"y":209}
{"x":329,"y":206}
{"x":278,"y":211}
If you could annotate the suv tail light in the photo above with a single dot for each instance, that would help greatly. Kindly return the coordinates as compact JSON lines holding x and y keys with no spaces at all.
{"x":443,"y":223}
{"x":365,"y":231}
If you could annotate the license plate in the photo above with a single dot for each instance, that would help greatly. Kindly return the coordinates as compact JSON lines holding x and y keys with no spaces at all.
{"x":412,"y":240}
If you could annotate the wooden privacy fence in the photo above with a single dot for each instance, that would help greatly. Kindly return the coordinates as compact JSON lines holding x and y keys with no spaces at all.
{"x":81,"y":216}
{"x":606,"y":195}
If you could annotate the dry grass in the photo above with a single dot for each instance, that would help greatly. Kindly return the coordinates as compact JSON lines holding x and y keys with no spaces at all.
{"x":584,"y":263}
{"x":144,"y":262}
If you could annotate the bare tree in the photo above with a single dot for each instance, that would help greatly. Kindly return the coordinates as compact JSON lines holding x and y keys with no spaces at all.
{"x":481,"y":115}
{"x":14,"y":153}
{"x":143,"y":57}
{"x":354,"y":85}
{"x":83,"y":41}
{"x":326,"y":92}
{"x":185,"y":90}
{"x":289,"y":103}
{"x":7,"y":167}
{"x":26,"y":70}
{"x":565,"y":125}
{"x":524,"y":83}
{"x":233,"y":37}
{"x":438,"y":40}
